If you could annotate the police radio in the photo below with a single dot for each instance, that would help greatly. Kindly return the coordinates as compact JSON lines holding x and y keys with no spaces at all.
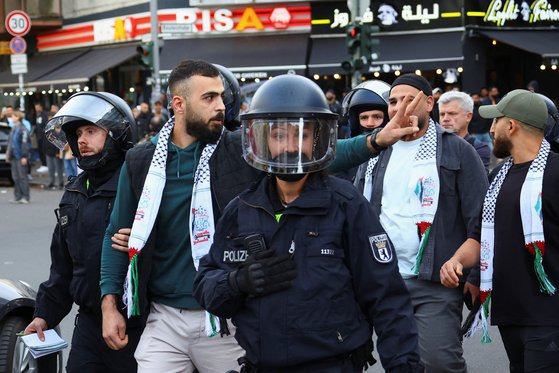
{"x":254,"y":244}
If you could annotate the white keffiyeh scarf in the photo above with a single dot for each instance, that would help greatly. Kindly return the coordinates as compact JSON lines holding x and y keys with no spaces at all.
{"x":423,"y":185}
{"x":532,"y":226}
{"x":201,"y":218}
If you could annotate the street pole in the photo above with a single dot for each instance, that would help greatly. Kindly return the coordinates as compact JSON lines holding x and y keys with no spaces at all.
{"x":155,"y":40}
{"x":356,"y":7}
{"x":21,"y":99}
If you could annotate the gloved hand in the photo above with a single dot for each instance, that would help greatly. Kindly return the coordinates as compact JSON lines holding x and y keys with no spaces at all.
{"x":263,"y":273}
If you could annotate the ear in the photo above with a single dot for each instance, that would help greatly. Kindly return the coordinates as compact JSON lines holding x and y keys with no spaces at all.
{"x":469,"y":116}
{"x":514,"y":126}
{"x":178,"y":104}
{"x":430,"y":103}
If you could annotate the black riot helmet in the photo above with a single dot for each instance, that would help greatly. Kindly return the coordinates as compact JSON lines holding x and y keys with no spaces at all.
{"x":289,"y":128}
{"x":552,"y":124}
{"x":102,"y":109}
{"x":369,"y":95}
{"x":231,"y":96}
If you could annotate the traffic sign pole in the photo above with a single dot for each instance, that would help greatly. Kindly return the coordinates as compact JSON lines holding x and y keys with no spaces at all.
{"x":18,"y":24}
{"x":21,"y":99}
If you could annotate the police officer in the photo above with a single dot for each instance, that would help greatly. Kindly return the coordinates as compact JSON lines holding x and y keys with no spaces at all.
{"x":299,"y":260}
{"x":99,"y":128}
{"x":366,"y":106}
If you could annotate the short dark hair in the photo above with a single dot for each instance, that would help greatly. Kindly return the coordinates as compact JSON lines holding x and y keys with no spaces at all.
{"x":188,"y":68}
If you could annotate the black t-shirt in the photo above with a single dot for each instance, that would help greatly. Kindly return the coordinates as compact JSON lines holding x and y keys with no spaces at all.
{"x":516,"y":297}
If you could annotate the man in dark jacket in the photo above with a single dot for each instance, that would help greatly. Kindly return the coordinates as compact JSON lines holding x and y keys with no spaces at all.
{"x":427,"y":189}
{"x":99,"y":143}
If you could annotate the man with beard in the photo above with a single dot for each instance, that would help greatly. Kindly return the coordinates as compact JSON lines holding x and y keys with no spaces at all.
{"x":182,"y":179}
{"x":427,"y":189}
{"x":519,"y":237}
{"x":313,"y":271}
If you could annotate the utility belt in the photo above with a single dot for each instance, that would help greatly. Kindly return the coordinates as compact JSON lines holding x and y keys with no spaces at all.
{"x":360,"y":358}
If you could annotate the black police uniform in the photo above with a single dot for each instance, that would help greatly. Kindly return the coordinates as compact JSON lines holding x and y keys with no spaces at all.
{"x":347,"y":276}
{"x":74,"y":277}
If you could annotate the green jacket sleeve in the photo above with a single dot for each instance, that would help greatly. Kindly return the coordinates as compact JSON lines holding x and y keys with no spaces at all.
{"x":114,"y":263}
{"x":350,"y":153}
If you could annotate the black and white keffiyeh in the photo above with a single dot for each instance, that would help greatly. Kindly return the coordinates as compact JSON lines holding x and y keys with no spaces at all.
{"x":423,"y":186}
{"x":201,"y":217}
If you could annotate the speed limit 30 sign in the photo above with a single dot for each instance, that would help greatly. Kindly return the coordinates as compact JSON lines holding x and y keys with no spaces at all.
{"x":18,"y":23}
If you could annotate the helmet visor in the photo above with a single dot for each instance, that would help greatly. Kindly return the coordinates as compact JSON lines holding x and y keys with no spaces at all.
{"x":289,"y":145}
{"x":83,"y":108}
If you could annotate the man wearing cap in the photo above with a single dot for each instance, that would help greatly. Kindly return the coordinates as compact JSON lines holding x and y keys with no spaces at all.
{"x":427,"y":189}
{"x":519,"y":237}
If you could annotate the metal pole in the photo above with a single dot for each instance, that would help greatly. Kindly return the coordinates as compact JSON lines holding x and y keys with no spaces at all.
{"x":21,"y":99}
{"x":155,"y":40}
{"x":354,"y":9}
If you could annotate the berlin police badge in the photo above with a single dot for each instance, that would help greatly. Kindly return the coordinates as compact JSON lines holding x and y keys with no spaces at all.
{"x":381,"y":247}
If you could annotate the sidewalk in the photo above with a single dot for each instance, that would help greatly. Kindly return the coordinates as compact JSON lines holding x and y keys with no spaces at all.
{"x":40,"y":180}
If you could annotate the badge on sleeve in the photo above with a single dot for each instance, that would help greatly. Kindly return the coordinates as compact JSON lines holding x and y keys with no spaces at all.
{"x":382,"y":250}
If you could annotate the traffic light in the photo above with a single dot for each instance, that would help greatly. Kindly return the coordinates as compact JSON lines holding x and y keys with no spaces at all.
{"x":353,"y":38}
{"x":368,"y":42}
{"x":146,"y":54}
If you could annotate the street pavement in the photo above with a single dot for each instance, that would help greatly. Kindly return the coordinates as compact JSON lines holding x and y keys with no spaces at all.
{"x":25,"y":235}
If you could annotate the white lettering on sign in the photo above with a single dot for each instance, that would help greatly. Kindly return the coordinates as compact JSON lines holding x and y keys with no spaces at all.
{"x":421,"y":14}
{"x":542,"y":11}
{"x":499,"y":13}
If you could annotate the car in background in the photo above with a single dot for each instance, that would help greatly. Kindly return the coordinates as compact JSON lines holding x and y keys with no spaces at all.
{"x":5,"y":172}
{"x":17,"y":304}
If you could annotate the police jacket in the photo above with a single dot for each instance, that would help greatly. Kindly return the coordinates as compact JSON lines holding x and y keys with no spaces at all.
{"x":347,"y":279}
{"x":76,"y":251}
{"x":463,"y":183}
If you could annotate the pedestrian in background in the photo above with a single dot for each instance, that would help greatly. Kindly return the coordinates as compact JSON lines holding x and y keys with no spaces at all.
{"x":17,"y":154}
{"x":299,"y":260}
{"x":519,"y":251}
{"x":426,"y":188}
{"x":100,"y":141}
{"x":455,"y":114}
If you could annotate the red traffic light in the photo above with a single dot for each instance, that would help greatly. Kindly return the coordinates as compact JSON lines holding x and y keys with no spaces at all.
{"x":354,"y":32}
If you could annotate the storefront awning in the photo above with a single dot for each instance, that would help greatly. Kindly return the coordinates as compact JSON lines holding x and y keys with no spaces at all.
{"x":274,"y":54}
{"x":544,"y":43}
{"x":83,"y":67}
{"x":38,"y":66}
{"x":402,"y":51}
{"x":327,"y":55}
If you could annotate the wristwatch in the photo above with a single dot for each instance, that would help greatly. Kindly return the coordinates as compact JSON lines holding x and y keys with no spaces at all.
{"x":373,"y":141}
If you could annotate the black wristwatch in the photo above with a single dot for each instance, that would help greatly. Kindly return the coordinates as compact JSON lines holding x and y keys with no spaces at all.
{"x":373,"y":141}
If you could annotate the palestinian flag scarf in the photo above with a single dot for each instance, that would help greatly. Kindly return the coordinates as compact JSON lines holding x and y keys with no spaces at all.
{"x":423,"y":185}
{"x":146,"y":214}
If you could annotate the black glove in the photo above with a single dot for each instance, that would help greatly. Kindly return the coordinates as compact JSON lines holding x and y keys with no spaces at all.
{"x":263,"y":273}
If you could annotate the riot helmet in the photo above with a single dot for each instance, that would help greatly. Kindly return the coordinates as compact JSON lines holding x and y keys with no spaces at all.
{"x":289,"y":129}
{"x":231,"y":95}
{"x":552,"y":124}
{"x":369,"y":95}
{"x":102,"y":109}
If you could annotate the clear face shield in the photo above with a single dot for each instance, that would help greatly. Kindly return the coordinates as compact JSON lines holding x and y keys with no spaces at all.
{"x":289,"y":145}
{"x":86,"y":109}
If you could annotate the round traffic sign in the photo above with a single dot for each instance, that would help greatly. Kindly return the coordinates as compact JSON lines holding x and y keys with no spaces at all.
{"x":18,"y":23}
{"x":18,"y":45}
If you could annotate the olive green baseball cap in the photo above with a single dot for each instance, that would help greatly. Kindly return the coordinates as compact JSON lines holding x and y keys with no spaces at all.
{"x":520,"y":104}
